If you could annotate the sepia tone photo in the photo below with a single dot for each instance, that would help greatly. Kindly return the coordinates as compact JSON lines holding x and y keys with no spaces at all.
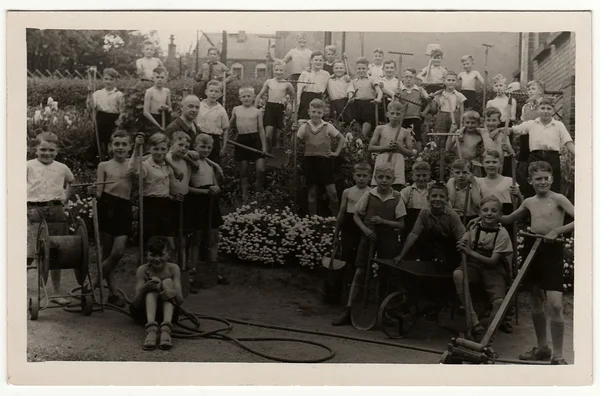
{"x":262,"y":195}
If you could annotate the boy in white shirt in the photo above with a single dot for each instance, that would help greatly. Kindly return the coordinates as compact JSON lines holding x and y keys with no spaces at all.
{"x":107,"y":102}
{"x":299,"y":56}
{"x":212,"y":120}
{"x":376,"y":68}
{"x":48,"y":189}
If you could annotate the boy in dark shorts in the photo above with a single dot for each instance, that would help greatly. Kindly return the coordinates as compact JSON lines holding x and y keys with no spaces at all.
{"x":547,"y":211}
{"x":158,"y":219}
{"x":345,"y":223}
{"x":248,"y":121}
{"x":380,"y":216}
{"x":277,"y":89}
{"x":318,"y":157}
{"x":445,"y":103}
{"x":157,"y":100}
{"x":158,"y":295}
{"x":107,"y":103}
{"x":437,"y":230}
{"x":340,"y":90}
{"x":48,"y":190}
{"x":367,"y":92}
{"x":488,"y":249}
{"x":413,"y":118}
{"x":114,"y":210}
{"x":204,"y":187}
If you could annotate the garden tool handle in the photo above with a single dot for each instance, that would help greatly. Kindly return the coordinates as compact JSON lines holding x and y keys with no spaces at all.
{"x":251,"y":149}
{"x":531,"y":235}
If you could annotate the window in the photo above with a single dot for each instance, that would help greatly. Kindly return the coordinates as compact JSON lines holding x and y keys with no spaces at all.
{"x":238,"y":69}
{"x":261,"y":70}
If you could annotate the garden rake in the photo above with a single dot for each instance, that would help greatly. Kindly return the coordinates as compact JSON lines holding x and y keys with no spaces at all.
{"x":91,"y":90}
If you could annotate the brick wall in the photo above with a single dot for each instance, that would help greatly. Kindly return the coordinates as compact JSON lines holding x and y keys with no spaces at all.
{"x":556,"y":68}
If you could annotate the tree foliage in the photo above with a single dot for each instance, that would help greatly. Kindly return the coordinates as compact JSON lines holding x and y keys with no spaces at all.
{"x":73,"y":50}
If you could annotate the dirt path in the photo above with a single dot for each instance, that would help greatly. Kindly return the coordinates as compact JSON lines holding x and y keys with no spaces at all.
{"x":265,"y":295}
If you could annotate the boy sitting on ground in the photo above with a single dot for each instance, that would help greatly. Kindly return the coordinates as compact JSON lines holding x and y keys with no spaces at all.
{"x":380,"y":216}
{"x":157,"y":295}
{"x":488,"y":248}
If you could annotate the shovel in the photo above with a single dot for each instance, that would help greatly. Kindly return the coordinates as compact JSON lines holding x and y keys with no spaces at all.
{"x":278,"y":158}
{"x":332,"y":286}
{"x":185,"y":274}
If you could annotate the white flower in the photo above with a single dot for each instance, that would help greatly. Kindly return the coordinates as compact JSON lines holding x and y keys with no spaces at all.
{"x":47,"y":110}
{"x":50,"y":101}
{"x":68,"y":121}
{"x":54,"y":120}
{"x":37,"y":117}
{"x":359,"y":143}
{"x":54,"y":106}
{"x":349,"y":137}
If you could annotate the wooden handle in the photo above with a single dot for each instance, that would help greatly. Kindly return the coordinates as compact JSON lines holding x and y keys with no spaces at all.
{"x":251,"y":149}
{"x":528,"y":234}
{"x":141,"y":205}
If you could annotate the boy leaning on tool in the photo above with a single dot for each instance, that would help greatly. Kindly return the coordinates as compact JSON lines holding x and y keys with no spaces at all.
{"x":488,"y":248}
{"x":48,"y":189}
{"x":544,"y":278}
{"x":380,"y":216}
{"x":157,"y":295}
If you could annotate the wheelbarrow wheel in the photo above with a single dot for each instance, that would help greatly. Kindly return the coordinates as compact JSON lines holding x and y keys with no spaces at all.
{"x":396,"y":315}
{"x":364,"y":309}
{"x":87,"y":305}
{"x":34,"y":308}
{"x":448,"y":358}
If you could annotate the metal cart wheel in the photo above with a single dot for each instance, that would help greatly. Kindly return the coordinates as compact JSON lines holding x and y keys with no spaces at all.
{"x":396,"y":315}
{"x":34,"y":308}
{"x":43,"y":253}
{"x":87,"y":305}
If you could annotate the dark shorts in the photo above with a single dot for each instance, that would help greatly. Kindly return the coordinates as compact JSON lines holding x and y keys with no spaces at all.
{"x":493,"y":280}
{"x":274,"y":114}
{"x":305,"y":100}
{"x":471,"y":101}
{"x":55,"y":217}
{"x":443,"y":122}
{"x":159,"y":218}
{"x":523,"y":147}
{"x":351,"y":235}
{"x":339,"y":110}
{"x":546,"y":269}
{"x":251,"y":140}
{"x":294,"y":77}
{"x":364,"y":111}
{"x":386,"y":247}
{"x":415,"y":123}
{"x":114,"y":215}
{"x":139,"y":313}
{"x":106,"y":125}
{"x":202,"y":212}
{"x":189,"y":221}
{"x":318,"y":171}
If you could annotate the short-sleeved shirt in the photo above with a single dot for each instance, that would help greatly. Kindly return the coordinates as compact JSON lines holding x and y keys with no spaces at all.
{"x":156,"y":177}
{"x":353,"y":196}
{"x":447,"y":224}
{"x":47,"y":182}
{"x":219,"y":70}
{"x":436,"y":74}
{"x":490,"y":240}
{"x":180,"y":125}
{"x":389,"y":86}
{"x":212,"y":119}
{"x":300,"y":59}
{"x":501,"y":190}
{"x":550,"y":137}
{"x":375,"y":71}
{"x":339,"y":88}
{"x":469,"y":80}
{"x":414,"y":198}
{"x":147,"y":66}
{"x":320,"y":80}
{"x":108,"y":101}
{"x":449,"y":101}
{"x":501,"y":103}
{"x":365,"y":88}
{"x":457,"y":200}
{"x":317,"y":138}
{"x":399,"y":211}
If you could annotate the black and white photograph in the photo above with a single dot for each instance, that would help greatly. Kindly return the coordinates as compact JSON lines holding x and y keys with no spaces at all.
{"x":250,"y":194}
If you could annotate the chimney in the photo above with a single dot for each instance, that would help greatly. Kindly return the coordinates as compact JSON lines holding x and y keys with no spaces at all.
{"x":172,"y":53}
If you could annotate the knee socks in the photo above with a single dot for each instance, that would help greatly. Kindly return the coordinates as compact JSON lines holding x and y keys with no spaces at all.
{"x":539,"y":324}
{"x":557,"y":330}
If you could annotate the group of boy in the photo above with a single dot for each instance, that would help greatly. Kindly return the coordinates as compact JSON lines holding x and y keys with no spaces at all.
{"x":180,"y":180}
